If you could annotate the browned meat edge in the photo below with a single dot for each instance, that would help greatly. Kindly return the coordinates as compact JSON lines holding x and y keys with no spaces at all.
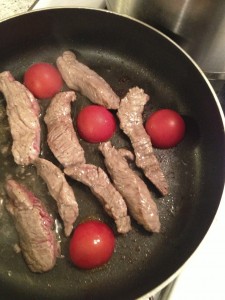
{"x":62,"y":138}
{"x":130,"y":116}
{"x":34,"y":225}
{"x":61,"y":191}
{"x":23,"y":116}
{"x":134,"y":191}
{"x":97,"y":180}
{"x":80,"y":78}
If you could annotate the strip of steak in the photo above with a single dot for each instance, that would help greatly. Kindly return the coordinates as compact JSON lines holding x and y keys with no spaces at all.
{"x":98,"y":181}
{"x":80,"y":78}
{"x":23,"y":115}
{"x":130,"y":116}
{"x":62,"y":138}
{"x":61,"y":191}
{"x":134,"y":191}
{"x":34,"y":225}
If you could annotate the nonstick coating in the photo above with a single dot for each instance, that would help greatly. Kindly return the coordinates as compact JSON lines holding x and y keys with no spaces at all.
{"x":126,"y":53}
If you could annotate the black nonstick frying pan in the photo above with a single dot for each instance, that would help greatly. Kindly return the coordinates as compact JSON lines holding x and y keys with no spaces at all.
{"x":126,"y":53}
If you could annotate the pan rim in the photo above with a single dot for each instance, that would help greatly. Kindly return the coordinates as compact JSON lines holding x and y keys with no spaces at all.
{"x":194,"y":63}
{"x":203,"y":76}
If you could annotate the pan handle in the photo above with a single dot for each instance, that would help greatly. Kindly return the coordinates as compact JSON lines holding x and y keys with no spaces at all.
{"x":215,"y":75}
{"x":166,"y":292}
{"x":33,"y":5}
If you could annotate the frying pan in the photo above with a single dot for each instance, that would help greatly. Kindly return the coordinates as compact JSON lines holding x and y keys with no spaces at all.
{"x":126,"y":53}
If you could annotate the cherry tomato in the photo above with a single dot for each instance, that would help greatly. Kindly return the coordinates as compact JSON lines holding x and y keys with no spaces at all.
{"x":96,"y":124}
{"x":91,"y":245}
{"x":166,"y":128}
{"x":43,"y":80}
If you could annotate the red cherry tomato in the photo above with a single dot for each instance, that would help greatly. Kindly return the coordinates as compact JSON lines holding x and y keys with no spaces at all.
{"x":166,"y":128}
{"x":92,"y":244}
{"x":43,"y":80}
{"x":96,"y":124}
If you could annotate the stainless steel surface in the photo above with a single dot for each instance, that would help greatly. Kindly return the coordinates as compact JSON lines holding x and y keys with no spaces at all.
{"x":198,"y":26}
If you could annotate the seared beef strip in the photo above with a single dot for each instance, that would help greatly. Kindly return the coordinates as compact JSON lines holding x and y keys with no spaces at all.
{"x":130,"y":115}
{"x":97,"y":180}
{"x":23,"y":115}
{"x":61,"y":191}
{"x":80,"y":78}
{"x":134,"y":191}
{"x":62,"y":138}
{"x":34,"y":225}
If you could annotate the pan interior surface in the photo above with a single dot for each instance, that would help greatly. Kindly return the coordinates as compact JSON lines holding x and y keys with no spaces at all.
{"x":126,"y":54}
